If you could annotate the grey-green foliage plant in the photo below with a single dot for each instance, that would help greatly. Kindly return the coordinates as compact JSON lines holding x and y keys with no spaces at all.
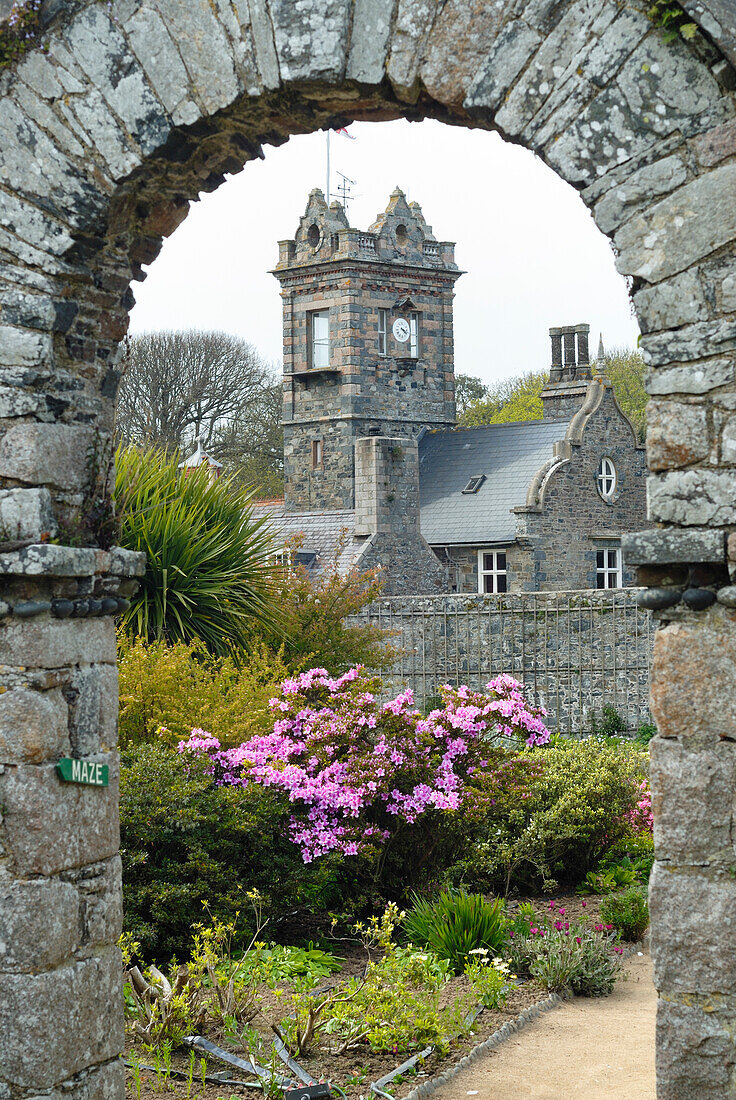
{"x":578,"y":958}
{"x":208,"y":560}
{"x":455,"y":923}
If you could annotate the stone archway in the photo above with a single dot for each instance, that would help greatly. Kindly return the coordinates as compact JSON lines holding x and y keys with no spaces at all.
{"x":118,"y":116}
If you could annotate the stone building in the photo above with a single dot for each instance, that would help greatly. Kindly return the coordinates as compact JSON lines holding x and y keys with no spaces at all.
{"x":376,"y":472}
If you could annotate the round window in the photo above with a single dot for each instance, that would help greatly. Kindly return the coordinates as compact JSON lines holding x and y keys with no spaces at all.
{"x":606,"y":479}
{"x":314,"y":237}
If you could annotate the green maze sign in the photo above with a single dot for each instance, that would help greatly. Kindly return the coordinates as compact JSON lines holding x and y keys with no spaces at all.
{"x":86,"y":772}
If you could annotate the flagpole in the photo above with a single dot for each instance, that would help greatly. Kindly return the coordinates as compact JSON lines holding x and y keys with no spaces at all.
{"x":327,"y":189}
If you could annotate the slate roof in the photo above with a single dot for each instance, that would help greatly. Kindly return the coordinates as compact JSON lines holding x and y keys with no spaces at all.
{"x":508,"y":454}
{"x":324,"y":533}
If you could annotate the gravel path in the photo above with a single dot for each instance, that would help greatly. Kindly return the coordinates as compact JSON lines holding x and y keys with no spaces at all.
{"x":586,"y":1048}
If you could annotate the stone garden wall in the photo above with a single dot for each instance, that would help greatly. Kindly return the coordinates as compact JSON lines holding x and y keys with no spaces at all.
{"x":575,"y":652}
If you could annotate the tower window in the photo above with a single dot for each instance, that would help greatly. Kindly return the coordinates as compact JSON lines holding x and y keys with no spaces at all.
{"x":606,"y":479}
{"x":382,"y":331}
{"x":492,"y":575}
{"x":318,"y":453}
{"x":608,"y":569}
{"x":414,"y":335}
{"x":319,"y":339}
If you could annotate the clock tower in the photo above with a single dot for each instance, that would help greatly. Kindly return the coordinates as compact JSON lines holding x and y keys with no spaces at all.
{"x":368,"y":344}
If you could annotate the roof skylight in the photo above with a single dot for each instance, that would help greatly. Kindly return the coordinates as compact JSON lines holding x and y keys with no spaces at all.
{"x":474,"y":484}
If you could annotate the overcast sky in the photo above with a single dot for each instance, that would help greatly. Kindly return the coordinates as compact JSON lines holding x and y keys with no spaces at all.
{"x":532,"y":253}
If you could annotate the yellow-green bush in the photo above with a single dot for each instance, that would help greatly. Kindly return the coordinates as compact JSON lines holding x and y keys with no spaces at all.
{"x":549,"y":825}
{"x":179,"y":687}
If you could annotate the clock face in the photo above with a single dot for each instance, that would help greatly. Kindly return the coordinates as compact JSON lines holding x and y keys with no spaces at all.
{"x":401,"y":330}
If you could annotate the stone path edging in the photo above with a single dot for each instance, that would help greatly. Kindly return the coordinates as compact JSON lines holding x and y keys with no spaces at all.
{"x":511,"y":1027}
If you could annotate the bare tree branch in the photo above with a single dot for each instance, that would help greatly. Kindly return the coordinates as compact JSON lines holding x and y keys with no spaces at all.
{"x":180,"y":386}
{"x":177,"y":386}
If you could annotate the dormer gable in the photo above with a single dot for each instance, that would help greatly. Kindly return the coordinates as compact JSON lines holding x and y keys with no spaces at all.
{"x":401,"y":231}
{"x":317,"y":237}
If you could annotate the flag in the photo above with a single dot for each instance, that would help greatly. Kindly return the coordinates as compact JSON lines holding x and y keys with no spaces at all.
{"x":344,"y":133}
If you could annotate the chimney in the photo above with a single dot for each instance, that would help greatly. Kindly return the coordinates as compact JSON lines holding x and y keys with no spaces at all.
{"x":569,"y":371}
{"x":555,"y":373}
{"x":571,"y":344}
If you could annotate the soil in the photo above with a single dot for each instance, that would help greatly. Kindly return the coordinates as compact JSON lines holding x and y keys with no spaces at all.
{"x":353,"y":1071}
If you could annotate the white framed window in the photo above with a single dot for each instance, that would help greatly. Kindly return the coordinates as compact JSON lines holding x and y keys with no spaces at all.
{"x":282,"y":559}
{"x":319,"y":339}
{"x":414,"y":335}
{"x":608,"y":568}
{"x":383,"y":332}
{"x":318,"y":453}
{"x":492,"y":575}
{"x":607,"y":479}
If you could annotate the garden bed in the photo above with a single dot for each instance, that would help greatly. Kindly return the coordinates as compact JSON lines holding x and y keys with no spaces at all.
{"x":354,"y":1070}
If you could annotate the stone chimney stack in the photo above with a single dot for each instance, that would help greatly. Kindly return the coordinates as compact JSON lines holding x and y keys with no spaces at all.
{"x":387,"y":511}
{"x":569,"y":373}
{"x":570,"y":354}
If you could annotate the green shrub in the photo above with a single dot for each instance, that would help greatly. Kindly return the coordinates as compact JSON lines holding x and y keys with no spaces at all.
{"x":616,"y":871}
{"x":456,"y":923}
{"x":627,"y":912}
{"x":180,"y":687}
{"x":548,"y":824}
{"x":396,"y":1005}
{"x":208,"y":561}
{"x":187,"y":842}
{"x":610,"y":723}
{"x":645,"y":733}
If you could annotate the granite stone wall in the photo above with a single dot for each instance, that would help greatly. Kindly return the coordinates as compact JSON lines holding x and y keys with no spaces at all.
{"x":575,"y":652}
{"x":60,"y":872}
{"x":123,"y":112}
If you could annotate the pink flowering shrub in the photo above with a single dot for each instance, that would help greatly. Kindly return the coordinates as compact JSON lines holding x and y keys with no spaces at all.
{"x":356,"y":770}
{"x":640,"y":817}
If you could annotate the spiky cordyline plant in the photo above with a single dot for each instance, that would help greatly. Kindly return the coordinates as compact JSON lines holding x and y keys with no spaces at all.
{"x":208,"y":573}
